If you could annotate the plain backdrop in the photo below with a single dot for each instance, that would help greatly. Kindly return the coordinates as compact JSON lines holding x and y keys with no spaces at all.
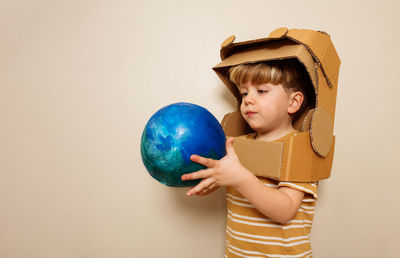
{"x":79,"y":79}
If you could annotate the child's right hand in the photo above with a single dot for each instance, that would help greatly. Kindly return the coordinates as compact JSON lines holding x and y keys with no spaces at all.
{"x":227,"y":171}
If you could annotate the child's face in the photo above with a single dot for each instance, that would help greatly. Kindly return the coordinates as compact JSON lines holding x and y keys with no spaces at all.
{"x":265,"y":107}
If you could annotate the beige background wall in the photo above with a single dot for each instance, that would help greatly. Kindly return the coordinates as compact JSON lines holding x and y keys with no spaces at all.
{"x":79,"y":79}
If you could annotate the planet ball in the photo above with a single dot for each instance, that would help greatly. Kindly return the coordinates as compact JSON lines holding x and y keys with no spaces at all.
{"x":172,"y":135}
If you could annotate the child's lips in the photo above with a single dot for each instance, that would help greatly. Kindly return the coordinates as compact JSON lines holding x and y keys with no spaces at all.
{"x":250,"y":113}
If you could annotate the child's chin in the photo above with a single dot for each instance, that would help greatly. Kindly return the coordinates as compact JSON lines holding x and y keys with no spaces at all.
{"x":256,"y":128}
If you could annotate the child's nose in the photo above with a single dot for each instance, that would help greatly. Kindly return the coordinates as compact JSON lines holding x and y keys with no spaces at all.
{"x":249,"y":99}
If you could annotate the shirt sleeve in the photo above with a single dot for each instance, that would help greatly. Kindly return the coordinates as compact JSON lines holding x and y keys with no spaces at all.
{"x":309,"y":189}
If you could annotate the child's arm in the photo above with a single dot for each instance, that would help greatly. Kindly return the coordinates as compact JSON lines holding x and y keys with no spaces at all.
{"x":279,"y":204}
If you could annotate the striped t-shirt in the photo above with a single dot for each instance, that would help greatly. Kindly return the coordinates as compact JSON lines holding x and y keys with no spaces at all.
{"x":249,"y":233}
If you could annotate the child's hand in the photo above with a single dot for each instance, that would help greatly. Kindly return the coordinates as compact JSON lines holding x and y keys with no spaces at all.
{"x":225,"y":172}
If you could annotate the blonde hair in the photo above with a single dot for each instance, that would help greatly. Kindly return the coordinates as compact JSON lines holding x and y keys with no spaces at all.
{"x":290,"y":73}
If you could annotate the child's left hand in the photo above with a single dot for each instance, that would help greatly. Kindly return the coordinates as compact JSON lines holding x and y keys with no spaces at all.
{"x":227,"y":171}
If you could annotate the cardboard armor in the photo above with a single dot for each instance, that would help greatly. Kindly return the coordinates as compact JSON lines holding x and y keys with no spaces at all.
{"x":308,"y":155}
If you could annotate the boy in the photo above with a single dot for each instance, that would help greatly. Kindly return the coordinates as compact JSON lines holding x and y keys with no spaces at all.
{"x":266,"y":218}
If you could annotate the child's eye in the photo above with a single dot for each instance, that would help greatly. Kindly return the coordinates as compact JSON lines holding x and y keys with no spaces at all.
{"x":262,"y":91}
{"x":244,"y":94}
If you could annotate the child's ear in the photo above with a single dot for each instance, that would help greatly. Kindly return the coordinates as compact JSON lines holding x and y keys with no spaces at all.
{"x":295,"y":101}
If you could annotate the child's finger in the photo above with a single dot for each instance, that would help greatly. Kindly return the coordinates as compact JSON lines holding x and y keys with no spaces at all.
{"x":196,"y":175}
{"x":203,"y":161}
{"x":208,"y":190}
{"x":204,"y":184}
{"x":203,"y":192}
{"x":229,"y":146}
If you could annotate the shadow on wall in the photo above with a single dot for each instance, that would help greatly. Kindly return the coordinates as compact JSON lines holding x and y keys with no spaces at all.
{"x":200,"y":205}
{"x":227,"y":97}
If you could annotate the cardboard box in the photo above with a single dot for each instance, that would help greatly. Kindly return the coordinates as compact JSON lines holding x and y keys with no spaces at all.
{"x":308,"y":155}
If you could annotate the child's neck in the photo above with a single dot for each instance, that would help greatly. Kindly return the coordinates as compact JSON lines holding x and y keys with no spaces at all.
{"x":275,"y":134}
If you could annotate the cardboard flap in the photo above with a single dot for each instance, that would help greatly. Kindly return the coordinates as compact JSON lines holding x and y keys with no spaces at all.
{"x":234,"y":125}
{"x":306,"y":125}
{"x":264,"y":159}
{"x":228,"y":41}
{"x":321,"y":132}
{"x":284,"y":161}
{"x":304,"y":164}
{"x":278,"y":33}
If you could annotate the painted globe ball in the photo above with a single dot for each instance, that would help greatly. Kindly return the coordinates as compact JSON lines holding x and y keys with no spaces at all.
{"x":172,"y":135}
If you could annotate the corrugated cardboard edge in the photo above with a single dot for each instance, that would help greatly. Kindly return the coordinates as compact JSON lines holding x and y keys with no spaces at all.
{"x":275,"y":51}
{"x":321,"y":48}
{"x":306,"y":125}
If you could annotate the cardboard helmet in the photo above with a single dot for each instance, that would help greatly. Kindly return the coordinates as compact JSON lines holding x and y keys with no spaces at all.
{"x":308,"y":155}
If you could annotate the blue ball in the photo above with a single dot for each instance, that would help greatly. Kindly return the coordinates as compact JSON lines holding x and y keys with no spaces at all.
{"x":173,"y":134}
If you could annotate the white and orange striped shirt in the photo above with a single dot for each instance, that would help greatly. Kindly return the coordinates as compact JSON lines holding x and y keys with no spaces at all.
{"x":249,"y":233}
